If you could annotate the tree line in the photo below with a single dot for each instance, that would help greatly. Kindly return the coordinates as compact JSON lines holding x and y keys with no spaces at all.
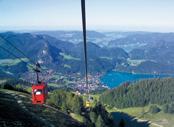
{"x":141,"y":93}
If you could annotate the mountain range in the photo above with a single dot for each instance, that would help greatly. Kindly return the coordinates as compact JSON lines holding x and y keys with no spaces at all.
{"x":58,"y":55}
{"x":62,"y":51}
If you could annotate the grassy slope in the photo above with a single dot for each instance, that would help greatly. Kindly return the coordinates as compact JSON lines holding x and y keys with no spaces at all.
{"x":77,"y":117}
{"x":11,"y":62}
{"x":163,"y":119}
{"x":17,"y":110}
{"x":69,"y":57}
{"x":105,"y":57}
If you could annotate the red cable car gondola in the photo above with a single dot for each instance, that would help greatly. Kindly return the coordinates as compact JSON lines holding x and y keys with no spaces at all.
{"x":39,"y":93}
{"x":39,"y":90}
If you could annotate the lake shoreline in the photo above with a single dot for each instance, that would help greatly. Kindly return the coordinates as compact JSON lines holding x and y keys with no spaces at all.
{"x":113,"y":79}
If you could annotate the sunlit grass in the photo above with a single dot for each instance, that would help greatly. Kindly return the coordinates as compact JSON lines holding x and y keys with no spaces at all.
{"x":77,"y":117}
{"x":67,"y":66}
{"x":11,"y":62}
{"x":161,"y":118}
{"x":54,"y":84}
{"x":3,"y":81}
{"x":135,"y":62}
{"x":105,"y":57}
{"x":68,"y":57}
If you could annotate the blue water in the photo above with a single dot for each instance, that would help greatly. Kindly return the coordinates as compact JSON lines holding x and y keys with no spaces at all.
{"x":113,"y":79}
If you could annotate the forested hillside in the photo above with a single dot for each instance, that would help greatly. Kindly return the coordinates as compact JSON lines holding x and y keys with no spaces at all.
{"x":140,"y":93}
{"x":74,"y":104}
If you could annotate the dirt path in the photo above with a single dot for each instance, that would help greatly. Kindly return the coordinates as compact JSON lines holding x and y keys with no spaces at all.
{"x":150,"y":122}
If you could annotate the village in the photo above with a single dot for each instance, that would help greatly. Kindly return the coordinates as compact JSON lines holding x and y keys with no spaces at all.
{"x":74,"y":81}
{"x":94,"y":84}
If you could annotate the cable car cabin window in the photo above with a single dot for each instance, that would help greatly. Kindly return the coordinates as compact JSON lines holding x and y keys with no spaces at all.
{"x":38,"y":92}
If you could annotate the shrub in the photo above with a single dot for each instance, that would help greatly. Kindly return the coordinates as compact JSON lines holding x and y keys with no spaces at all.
{"x":168,"y":108}
{"x":154,"y":109}
{"x":67,"y":101}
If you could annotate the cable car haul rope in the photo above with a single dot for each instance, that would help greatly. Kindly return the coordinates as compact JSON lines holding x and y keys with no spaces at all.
{"x":84,"y":39}
{"x":88,"y":102}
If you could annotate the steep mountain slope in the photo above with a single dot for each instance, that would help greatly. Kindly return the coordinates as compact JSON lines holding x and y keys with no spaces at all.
{"x":17,"y":111}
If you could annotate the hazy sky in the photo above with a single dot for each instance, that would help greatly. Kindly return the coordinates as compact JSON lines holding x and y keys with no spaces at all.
{"x":145,"y":15}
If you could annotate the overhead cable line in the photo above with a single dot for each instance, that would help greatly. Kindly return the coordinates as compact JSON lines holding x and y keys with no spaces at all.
{"x":12,"y":54}
{"x":18,"y":50}
{"x":84,"y":40}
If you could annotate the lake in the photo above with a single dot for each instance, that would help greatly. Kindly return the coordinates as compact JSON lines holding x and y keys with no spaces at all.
{"x":113,"y":79}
